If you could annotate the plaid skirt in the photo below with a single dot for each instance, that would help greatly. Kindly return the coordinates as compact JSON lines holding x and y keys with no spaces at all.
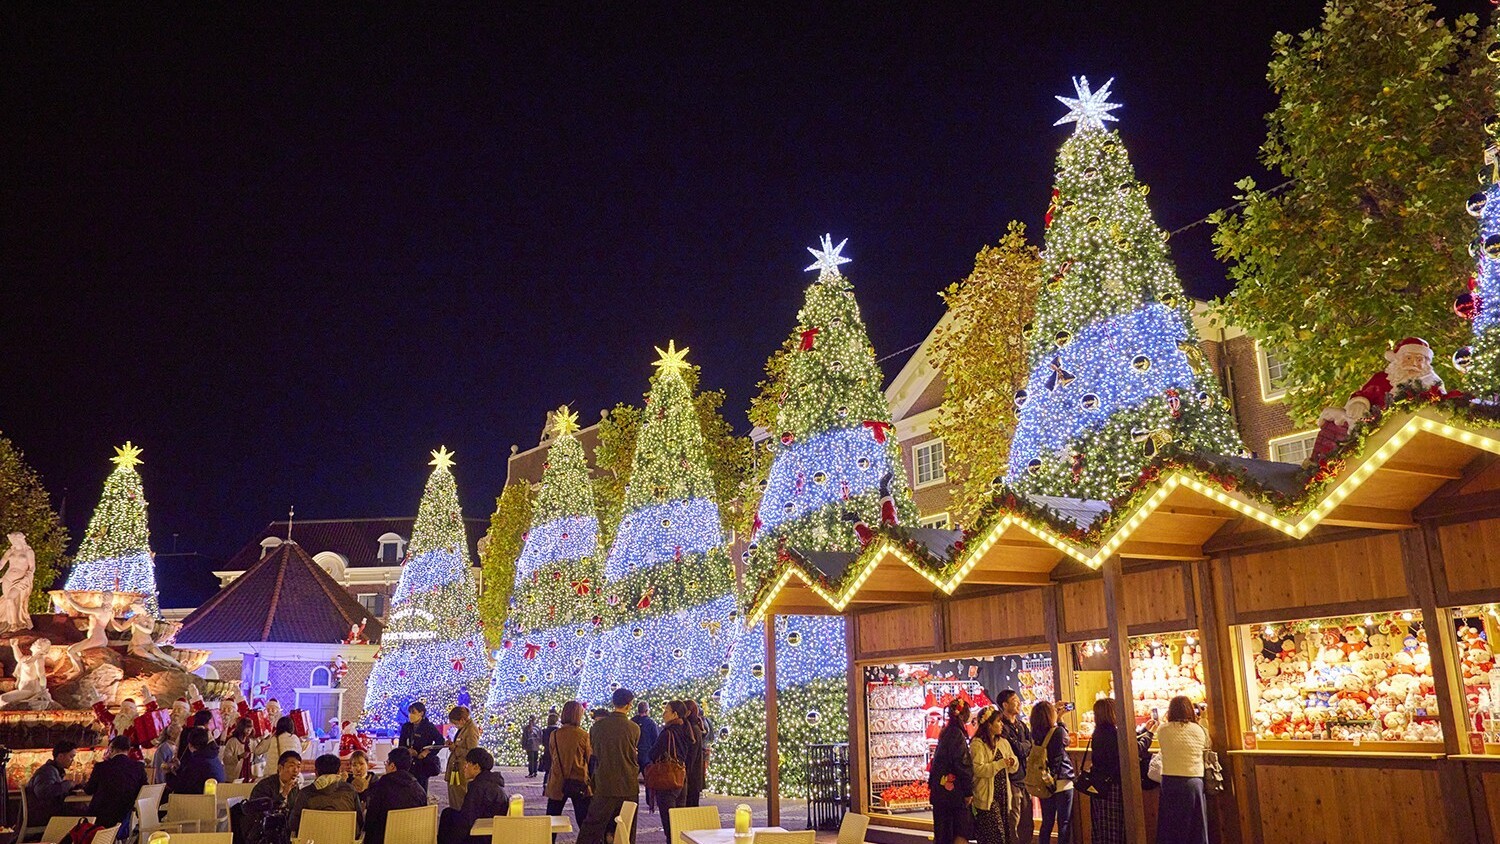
{"x":992,"y":825}
{"x":1107,"y":815}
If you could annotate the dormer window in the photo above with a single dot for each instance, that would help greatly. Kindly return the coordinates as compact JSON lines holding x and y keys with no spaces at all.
{"x":268,"y":545}
{"x":392,"y":549}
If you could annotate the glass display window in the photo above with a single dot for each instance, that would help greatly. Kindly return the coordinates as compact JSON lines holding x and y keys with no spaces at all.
{"x":1474,"y":633}
{"x":904,"y":705}
{"x":1348,"y":680}
{"x":1161,"y":667}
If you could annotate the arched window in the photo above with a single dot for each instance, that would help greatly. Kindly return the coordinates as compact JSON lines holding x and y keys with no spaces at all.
{"x":392,"y":547}
{"x":321,"y":678}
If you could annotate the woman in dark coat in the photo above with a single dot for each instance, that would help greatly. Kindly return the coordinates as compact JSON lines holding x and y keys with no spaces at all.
{"x":951,"y":780}
{"x":676,"y":741}
{"x":697,"y":763}
{"x":1057,"y":810}
{"x":422,"y":738}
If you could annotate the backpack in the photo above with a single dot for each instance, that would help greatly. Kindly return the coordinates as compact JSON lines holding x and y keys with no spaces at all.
{"x":82,"y":832}
{"x":1039,"y":780}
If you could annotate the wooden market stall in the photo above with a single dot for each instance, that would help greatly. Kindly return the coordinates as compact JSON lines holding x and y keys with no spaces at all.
{"x":1335,"y":624}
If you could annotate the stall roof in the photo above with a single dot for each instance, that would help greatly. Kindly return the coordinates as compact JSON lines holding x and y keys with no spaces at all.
{"x":1375,"y":480}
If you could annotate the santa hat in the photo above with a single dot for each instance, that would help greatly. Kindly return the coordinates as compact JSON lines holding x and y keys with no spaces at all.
{"x":1412,"y":341}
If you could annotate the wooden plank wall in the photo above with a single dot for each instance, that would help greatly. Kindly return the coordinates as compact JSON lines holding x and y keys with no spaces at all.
{"x":1157,"y":599}
{"x":1358,"y":574}
{"x":1470,"y":567}
{"x":1002,"y":619}
{"x":900,"y":630}
{"x":1339,"y":800}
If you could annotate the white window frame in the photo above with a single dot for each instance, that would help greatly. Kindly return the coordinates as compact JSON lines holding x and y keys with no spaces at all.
{"x":941,"y":521}
{"x":383,"y":599}
{"x":1273,"y":443}
{"x":321,"y":690}
{"x":390,"y":539}
{"x":916,"y":462}
{"x":312,"y":677}
{"x":1268,"y":391}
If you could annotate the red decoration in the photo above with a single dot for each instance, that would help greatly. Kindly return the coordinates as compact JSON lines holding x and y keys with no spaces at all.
{"x":808,"y":337}
{"x":150,"y":724}
{"x":645,"y":601}
{"x":1174,"y":402}
{"x":350,"y":741}
{"x":302,"y":725}
{"x":583,"y":587}
{"x":532,"y":650}
{"x":877,"y":428}
{"x":458,"y":664}
{"x":1051,"y":209}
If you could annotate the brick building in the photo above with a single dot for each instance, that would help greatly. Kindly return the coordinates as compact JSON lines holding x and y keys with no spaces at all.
{"x":1252,"y":376}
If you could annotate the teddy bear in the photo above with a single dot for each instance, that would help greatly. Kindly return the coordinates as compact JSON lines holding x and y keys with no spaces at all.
{"x":1354,"y":640}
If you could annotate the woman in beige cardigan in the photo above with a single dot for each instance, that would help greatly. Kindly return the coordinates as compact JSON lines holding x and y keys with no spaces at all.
{"x":993,"y":762}
{"x":465,"y":739}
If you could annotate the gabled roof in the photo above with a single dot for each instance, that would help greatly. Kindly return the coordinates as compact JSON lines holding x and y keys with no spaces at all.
{"x":356,"y":540}
{"x":285,"y":597}
{"x":1180,"y":507}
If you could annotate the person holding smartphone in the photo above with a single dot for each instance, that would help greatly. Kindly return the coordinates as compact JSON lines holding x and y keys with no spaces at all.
{"x":422,"y":738}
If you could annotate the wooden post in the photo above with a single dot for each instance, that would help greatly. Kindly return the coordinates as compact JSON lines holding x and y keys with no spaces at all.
{"x":859,"y":789}
{"x":773,"y":751}
{"x":1119,"y":652}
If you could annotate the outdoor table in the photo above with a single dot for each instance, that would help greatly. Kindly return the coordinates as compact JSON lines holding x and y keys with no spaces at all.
{"x":723,"y":836}
{"x":486,"y":826}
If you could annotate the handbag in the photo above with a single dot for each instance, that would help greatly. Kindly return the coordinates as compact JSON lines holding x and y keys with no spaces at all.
{"x":572,"y":788}
{"x":1213,"y":772}
{"x":667,"y":773}
{"x":1153,"y":772}
{"x":1086,"y":781}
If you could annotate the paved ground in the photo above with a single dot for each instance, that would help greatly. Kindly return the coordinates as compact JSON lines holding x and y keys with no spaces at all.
{"x":648,"y":825}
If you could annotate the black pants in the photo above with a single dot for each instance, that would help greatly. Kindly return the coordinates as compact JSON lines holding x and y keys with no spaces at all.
{"x":422,"y":781}
{"x":580,"y":808}
{"x":601,"y":819}
{"x":666,"y":801}
{"x":451,"y":828}
{"x":531,"y":763}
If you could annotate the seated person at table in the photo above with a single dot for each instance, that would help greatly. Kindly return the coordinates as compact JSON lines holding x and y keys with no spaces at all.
{"x":115,"y":783}
{"x":329,"y":793}
{"x":360,"y":777}
{"x":395,"y":789}
{"x":485,"y":798}
{"x":199,"y":765}
{"x":271,"y":794}
{"x":50,"y":784}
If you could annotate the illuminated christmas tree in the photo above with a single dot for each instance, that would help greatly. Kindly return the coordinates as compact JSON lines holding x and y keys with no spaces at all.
{"x":1481,"y":302}
{"x":1116,"y":369}
{"x":433,"y":647}
{"x":116,"y":552}
{"x":555,"y":611}
{"x":836,"y":468}
{"x":668,"y":582}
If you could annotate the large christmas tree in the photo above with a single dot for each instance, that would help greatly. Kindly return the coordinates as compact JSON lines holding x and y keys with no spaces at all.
{"x":1116,"y":369}
{"x":433,"y":647}
{"x":668,"y":582}
{"x":555,"y":611}
{"x":1481,"y":302}
{"x":116,"y":552}
{"x":835,"y":464}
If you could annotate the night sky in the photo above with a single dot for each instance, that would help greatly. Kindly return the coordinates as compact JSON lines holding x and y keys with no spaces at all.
{"x":288,"y":256}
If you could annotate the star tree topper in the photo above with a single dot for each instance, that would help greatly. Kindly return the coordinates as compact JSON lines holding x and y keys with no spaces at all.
{"x":1090,"y":109}
{"x":828,"y":257}
{"x":672,"y":359}
{"x":126,"y":456}
{"x":564,"y":421}
{"x":442,"y":458}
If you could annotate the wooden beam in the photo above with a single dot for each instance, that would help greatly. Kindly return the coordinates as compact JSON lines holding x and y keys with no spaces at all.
{"x":1378,"y":518}
{"x":1160,"y":551}
{"x":859,"y":789}
{"x":1411,"y":467}
{"x":893,"y":596}
{"x":979,"y":577}
{"x":773,"y":749}
{"x":1119,"y":665}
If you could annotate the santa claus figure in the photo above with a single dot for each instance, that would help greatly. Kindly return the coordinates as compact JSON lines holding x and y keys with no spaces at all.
{"x":1408,"y":369}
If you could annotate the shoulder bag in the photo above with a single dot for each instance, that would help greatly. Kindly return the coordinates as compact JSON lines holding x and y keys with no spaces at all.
{"x":572,"y":787}
{"x":667,"y":773}
{"x":1086,"y":782}
{"x":1213,"y":773}
{"x":1039,"y":779}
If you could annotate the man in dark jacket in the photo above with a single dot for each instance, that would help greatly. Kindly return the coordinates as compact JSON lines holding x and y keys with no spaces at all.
{"x":330,"y":792}
{"x":115,"y":783}
{"x":1014,"y":729}
{"x":200,"y":765}
{"x":271,"y":795}
{"x":422,"y":738}
{"x":615,"y":740}
{"x":50,"y":784}
{"x":395,"y":789}
{"x":531,"y":742}
{"x":649,"y":732}
{"x":485,"y":798}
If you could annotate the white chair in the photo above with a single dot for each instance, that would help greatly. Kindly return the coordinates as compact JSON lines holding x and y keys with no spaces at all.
{"x":327,"y":827}
{"x":852,"y":830}
{"x":153,"y":791}
{"x":58,"y":827}
{"x":203,"y":838}
{"x":688,"y":818}
{"x":536,"y":829}
{"x":228,"y":790}
{"x":106,"y":835}
{"x":625,"y":821}
{"x":410,"y":826}
{"x":193,"y":813}
{"x":807,"y":836}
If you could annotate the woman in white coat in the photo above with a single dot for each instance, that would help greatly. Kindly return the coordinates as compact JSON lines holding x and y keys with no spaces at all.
{"x":993,"y":762}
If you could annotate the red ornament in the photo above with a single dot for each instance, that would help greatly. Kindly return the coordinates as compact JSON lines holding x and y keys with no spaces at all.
{"x":1051,"y":209}
{"x":808,"y":337}
{"x":1466,"y":305}
{"x":645,"y":601}
{"x":1174,"y":402}
{"x":532,"y":651}
{"x":458,"y":664}
{"x":787,"y":438}
{"x":877,"y":428}
{"x":582,"y":587}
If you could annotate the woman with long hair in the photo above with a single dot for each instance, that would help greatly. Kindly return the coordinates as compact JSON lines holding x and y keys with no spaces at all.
{"x":994,"y":762}
{"x":676,"y":741}
{"x":1057,"y":809}
{"x":950,"y":779}
{"x":697,"y":766}
{"x":1107,"y":809}
{"x":1183,"y":815}
{"x":465,"y":738}
{"x":238,"y":753}
{"x":568,"y":772}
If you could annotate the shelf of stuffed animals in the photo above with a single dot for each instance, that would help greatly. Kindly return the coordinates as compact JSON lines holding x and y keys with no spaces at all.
{"x":1162,"y":666}
{"x":1475,"y":629}
{"x":1343,"y":683}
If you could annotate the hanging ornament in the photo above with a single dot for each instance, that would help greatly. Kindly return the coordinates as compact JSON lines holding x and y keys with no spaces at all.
{"x":1091,"y":173}
{"x":820,"y":478}
{"x":814,"y":716}
{"x":1205,"y":400}
{"x":794,"y":637}
{"x":522,"y":679}
{"x":1492,"y":126}
{"x":1151,"y":441}
{"x":1075,"y":465}
{"x":808,"y":338}
{"x":532,"y":650}
{"x":645,"y":601}
{"x":1174,"y":402}
{"x":757,"y":671}
{"x":787,"y":438}
{"x":1197,"y":360}
{"x":1062,"y":338}
{"x":678,"y":653}
{"x":1028,"y":330}
{"x":723,"y":669}
{"x":1492,"y":52}
{"x":843,"y":410}
{"x":1466,"y":305}
{"x":1141,"y":363}
{"x":844,"y":490}
{"x":666,"y":523}
{"x":1051,"y":209}
{"x":863,"y":462}
{"x":1021,"y":396}
{"x":1090,"y":401}
{"x":1060,"y":377}
{"x":1492,"y":246}
{"x":1169,"y":299}
{"x":1463,"y":358}
{"x":1093,"y":221}
{"x":877,"y":428}
{"x":637,"y":632}
{"x":1034,"y":466}
{"x":836,"y":365}
{"x":1476,"y":203}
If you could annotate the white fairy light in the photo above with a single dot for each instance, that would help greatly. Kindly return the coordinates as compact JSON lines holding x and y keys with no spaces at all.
{"x":828,"y":258}
{"x":1090,"y":109}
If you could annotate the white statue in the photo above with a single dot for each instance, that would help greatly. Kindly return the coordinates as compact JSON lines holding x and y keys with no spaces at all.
{"x":142,"y":641}
{"x":99,"y":617}
{"x":31,"y":678}
{"x":19,"y":563}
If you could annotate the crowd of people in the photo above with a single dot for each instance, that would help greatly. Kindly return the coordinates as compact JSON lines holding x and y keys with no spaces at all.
{"x":982,"y":788}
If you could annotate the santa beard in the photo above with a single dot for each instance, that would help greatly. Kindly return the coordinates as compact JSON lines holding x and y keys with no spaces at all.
{"x":1421,"y":377}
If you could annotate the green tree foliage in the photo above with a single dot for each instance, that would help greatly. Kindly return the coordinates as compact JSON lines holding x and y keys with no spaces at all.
{"x":983,"y":360}
{"x":1380,"y":111}
{"x":502,"y":546}
{"x":26,"y":507}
